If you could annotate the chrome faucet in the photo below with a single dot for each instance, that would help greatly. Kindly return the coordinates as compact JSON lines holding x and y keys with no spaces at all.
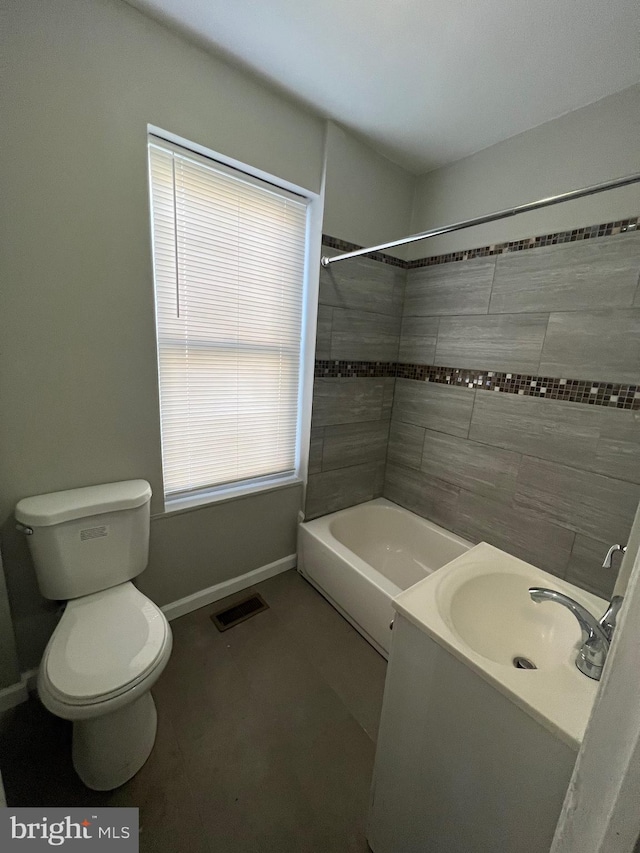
{"x":615,"y":549}
{"x":596,"y":636}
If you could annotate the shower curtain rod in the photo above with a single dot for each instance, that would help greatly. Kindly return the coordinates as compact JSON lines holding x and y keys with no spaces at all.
{"x":490,"y":217}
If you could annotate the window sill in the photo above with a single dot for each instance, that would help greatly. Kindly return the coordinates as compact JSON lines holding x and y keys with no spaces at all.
{"x":188,"y":503}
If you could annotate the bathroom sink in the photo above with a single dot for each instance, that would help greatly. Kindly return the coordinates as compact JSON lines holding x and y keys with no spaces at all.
{"x":495,"y":616}
{"x":478,"y":607}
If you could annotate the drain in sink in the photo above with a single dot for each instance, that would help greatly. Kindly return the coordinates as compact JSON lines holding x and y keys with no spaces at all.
{"x":523,"y":663}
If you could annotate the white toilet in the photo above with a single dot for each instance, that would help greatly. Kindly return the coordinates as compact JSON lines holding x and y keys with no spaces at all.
{"x":112,"y":642}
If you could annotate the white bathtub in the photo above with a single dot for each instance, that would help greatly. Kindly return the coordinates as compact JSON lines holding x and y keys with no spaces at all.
{"x":362,"y":557}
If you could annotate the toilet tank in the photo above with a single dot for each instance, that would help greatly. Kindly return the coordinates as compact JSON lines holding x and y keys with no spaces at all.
{"x":89,"y":539}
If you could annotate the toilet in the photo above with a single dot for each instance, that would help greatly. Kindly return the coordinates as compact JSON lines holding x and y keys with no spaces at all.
{"x":112,"y":643}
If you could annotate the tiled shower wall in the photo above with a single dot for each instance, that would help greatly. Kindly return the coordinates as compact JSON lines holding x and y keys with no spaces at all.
{"x":359,"y":318}
{"x":528,"y":458}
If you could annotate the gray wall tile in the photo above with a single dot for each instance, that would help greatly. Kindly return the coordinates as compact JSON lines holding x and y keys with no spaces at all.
{"x":418,"y":340}
{"x":330,"y":491}
{"x":397,"y":298}
{"x":519,"y":532}
{"x":585,"y":567}
{"x":476,"y":467}
{"x":463,"y":287}
{"x":340,"y":401}
{"x":388,"y":394}
{"x":405,"y":444}
{"x":354,"y":444}
{"x":364,"y":336}
{"x":592,"y":504}
{"x":591,"y":274}
{"x":599,"y":345}
{"x":323,"y":333}
{"x":618,"y":450}
{"x":578,"y":467}
{"x":595,"y":438}
{"x":362,"y":284}
{"x":564,"y":432}
{"x":445,"y":408}
{"x":511,"y":342}
{"x":315,"y":450}
{"x":430,"y":498}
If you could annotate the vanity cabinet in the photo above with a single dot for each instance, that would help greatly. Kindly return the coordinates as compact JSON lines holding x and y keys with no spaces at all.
{"x":460,"y":767}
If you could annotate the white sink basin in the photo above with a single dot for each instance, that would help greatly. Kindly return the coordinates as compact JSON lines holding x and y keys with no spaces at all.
{"x":495,"y":616}
{"x":478,"y":607}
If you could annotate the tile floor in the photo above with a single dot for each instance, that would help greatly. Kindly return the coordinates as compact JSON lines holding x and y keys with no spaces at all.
{"x":265,"y":742}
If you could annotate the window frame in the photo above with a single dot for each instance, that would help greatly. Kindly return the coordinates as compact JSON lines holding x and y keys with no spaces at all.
{"x":196,"y":498}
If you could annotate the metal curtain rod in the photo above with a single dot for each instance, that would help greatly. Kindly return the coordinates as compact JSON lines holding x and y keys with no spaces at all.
{"x":490,"y":217}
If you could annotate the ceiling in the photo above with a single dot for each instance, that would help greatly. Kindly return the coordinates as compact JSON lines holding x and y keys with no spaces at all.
{"x":425,"y":82}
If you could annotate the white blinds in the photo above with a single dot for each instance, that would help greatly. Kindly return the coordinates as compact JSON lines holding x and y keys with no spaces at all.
{"x":229,"y":265}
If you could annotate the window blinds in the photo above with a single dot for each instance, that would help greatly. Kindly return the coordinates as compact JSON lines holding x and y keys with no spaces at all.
{"x":229,"y":254}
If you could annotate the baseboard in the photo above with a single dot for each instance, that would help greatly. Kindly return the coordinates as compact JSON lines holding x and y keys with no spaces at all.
{"x":221,"y":590}
{"x":16,"y":693}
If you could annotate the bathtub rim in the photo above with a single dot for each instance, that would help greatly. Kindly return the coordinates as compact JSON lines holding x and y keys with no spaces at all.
{"x":320,"y":529}
{"x":316,"y":534}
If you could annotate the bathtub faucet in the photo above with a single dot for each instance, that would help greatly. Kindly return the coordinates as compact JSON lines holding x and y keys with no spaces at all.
{"x":595,"y":635}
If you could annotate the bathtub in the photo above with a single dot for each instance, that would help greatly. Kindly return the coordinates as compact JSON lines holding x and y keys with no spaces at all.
{"x":363,"y":557}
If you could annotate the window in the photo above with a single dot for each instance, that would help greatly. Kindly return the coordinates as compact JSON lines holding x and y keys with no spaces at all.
{"x":229,"y":262}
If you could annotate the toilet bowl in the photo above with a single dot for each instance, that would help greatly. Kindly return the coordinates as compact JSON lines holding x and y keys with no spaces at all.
{"x":105,"y":655}
{"x":112,"y":643}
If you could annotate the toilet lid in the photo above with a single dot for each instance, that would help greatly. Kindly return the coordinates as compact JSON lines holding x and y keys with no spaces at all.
{"x":104,"y":642}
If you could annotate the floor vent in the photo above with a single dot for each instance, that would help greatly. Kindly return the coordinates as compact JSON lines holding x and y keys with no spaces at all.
{"x":230,"y":616}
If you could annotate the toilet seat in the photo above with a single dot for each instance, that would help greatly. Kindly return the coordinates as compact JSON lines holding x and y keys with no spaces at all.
{"x":105,"y":644}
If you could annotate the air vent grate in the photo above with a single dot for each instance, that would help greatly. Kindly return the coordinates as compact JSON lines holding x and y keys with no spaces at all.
{"x":230,"y":616}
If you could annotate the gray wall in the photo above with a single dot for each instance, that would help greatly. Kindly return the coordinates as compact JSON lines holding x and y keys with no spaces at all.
{"x":359,"y":314}
{"x":593,"y":144}
{"x":78,"y":380}
{"x":79,"y":385}
{"x":368,"y":199}
{"x":552,"y":482}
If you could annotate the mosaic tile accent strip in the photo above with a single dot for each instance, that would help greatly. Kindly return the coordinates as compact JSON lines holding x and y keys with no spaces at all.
{"x":606,"y":229}
{"x":344,"y":246}
{"x":354,"y":369}
{"x":614,"y":395}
